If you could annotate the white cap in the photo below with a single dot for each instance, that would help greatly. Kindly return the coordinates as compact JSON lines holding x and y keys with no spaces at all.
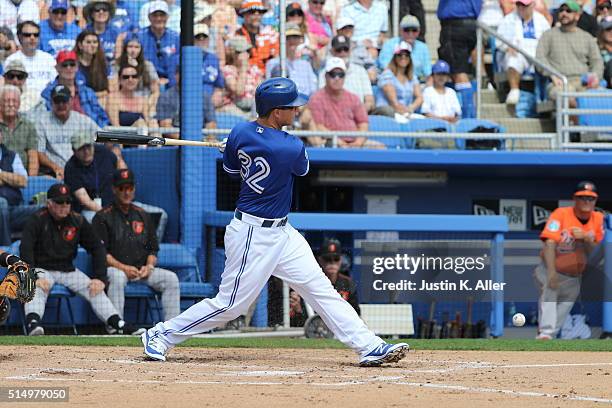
{"x":158,"y":5}
{"x":200,"y":29}
{"x":334,"y":63}
{"x":343,"y":22}
{"x":203,"y":10}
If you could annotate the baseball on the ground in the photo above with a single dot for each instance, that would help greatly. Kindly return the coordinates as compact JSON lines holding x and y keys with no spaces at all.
{"x":518,"y":319}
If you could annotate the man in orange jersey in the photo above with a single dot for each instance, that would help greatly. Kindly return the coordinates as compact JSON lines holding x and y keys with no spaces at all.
{"x":570,"y":234}
{"x":263,"y":39}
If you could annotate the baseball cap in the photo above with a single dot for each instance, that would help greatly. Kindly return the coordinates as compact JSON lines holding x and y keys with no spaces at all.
{"x":334,"y":63}
{"x":123,"y":176}
{"x":572,"y":5}
{"x":65,"y":55}
{"x":330,"y":246}
{"x":79,"y":140}
{"x":251,"y":5}
{"x":586,"y":188}
{"x":344,"y":22}
{"x":525,"y":2}
{"x":440,"y":67}
{"x":293,"y":29}
{"x":58,"y":4}
{"x":201,"y":29}
{"x":295,"y":6}
{"x":340,"y":41}
{"x":15,"y":65}
{"x":606,"y":23}
{"x":59,"y":191}
{"x":239,"y":44}
{"x":158,"y":6}
{"x":402,"y":47}
{"x":410,"y":21}
{"x":60,"y":93}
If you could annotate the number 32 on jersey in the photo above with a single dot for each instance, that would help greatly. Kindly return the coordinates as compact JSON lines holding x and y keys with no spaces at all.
{"x":261,"y":171}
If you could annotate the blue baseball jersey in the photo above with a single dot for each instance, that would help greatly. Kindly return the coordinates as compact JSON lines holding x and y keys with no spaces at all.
{"x":53,"y":41}
{"x":266,"y":160}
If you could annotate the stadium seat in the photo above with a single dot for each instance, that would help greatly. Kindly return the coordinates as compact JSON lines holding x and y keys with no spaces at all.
{"x":180,"y":259}
{"x":228,"y":121}
{"x":596,"y":120}
{"x":429,"y":125}
{"x":140,"y":291}
{"x":36,"y":184}
{"x":479,"y":126}
{"x":379,"y":123}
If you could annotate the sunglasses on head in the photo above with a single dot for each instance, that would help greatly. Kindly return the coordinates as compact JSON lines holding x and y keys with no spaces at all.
{"x":331,"y":258}
{"x":20,"y":76}
{"x":338,"y":74}
{"x":60,"y":11}
{"x":410,"y":29}
{"x":586,"y":198}
{"x":69,"y":64}
{"x":27,"y":35}
{"x":129,"y":76}
{"x":62,"y":201}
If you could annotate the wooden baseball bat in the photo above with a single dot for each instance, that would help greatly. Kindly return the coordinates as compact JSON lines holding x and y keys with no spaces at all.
{"x":128,"y":138}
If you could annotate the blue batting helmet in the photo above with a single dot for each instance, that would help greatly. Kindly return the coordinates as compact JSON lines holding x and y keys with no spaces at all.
{"x":277,"y":93}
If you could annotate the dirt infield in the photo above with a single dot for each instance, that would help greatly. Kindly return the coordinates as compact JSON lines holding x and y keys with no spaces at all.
{"x":198,"y":377}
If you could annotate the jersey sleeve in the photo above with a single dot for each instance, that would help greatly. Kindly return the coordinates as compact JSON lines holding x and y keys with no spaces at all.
{"x":553,"y":227}
{"x":599,"y":227}
{"x":231,"y":164}
{"x":301,"y":165}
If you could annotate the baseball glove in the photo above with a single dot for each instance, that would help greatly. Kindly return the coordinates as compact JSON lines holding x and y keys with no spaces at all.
{"x":19,"y":283}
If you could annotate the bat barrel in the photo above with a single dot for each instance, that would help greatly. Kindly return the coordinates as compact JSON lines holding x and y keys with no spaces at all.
{"x":128,"y":138}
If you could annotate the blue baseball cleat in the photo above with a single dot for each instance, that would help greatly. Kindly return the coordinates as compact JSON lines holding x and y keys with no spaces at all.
{"x":154,"y":349}
{"x":384,"y":353}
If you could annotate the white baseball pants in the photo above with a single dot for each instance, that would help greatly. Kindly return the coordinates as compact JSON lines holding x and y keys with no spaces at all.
{"x":253,"y":254}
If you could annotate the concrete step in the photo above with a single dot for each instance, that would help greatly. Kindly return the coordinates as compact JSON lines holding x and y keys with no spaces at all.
{"x":495,"y":111}
{"x":528,"y":125}
{"x":489,"y":96}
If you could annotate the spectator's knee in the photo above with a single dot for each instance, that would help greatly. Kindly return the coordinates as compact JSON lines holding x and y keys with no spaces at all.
{"x":116,"y":277}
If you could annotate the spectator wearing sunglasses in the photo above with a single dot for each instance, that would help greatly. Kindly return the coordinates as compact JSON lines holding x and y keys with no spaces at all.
{"x":330,"y":259}
{"x":161,"y":44}
{"x":320,"y":28}
{"x":569,"y":236}
{"x":360,"y":53}
{"x":586,"y":21}
{"x":56,"y":127}
{"x":98,"y":14}
{"x":401,"y":90}
{"x":126,"y":107}
{"x":174,"y":15}
{"x":15,"y":74}
{"x":12,"y":12}
{"x":18,"y":133}
{"x":421,"y":59}
{"x":55,"y":33}
{"x":84,"y":99}
{"x":335,"y":108}
{"x":570,"y":50}
{"x":357,"y":79}
{"x":39,"y":65}
{"x":371,"y":20}
{"x":263,"y":39}
{"x":603,"y":10}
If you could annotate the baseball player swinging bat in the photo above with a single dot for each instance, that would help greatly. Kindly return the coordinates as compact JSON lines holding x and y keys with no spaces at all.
{"x":127,"y":138}
{"x":260,"y":242}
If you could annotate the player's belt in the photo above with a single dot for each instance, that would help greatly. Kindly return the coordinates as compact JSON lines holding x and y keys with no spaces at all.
{"x":260,"y":222}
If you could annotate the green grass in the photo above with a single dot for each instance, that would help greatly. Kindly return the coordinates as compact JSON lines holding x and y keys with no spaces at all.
{"x":447,"y":344}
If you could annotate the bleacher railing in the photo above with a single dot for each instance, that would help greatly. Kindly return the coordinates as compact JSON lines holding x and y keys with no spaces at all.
{"x":566,"y":112}
{"x":562,"y":100}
